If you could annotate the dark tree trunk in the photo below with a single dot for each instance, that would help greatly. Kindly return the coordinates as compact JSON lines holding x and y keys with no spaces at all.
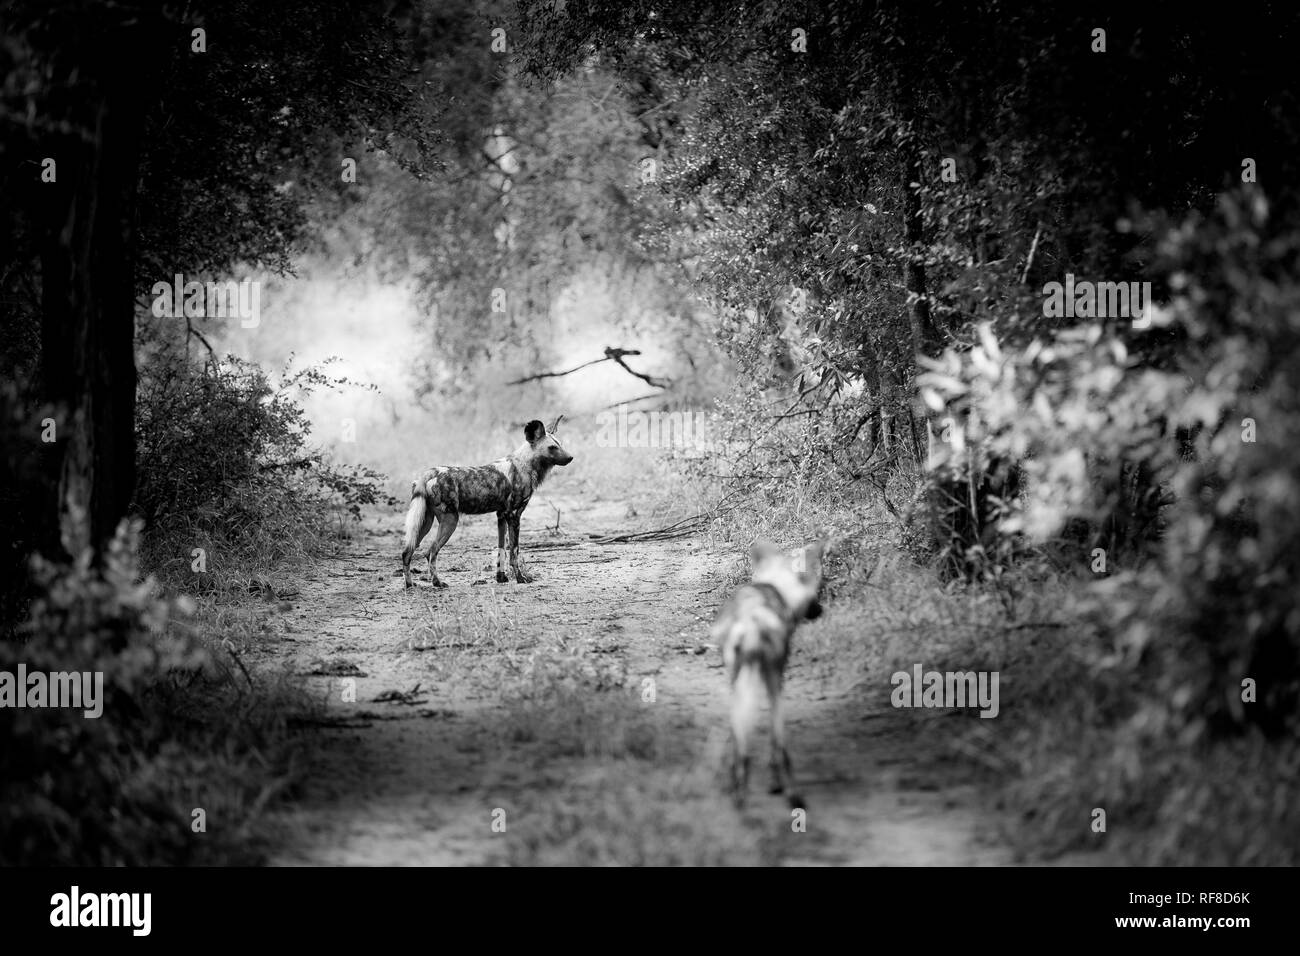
{"x":876,"y":410}
{"x":88,"y":297}
{"x":925,"y":337}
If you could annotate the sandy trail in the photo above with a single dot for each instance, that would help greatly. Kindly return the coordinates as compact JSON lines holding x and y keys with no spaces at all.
{"x":421,"y":778}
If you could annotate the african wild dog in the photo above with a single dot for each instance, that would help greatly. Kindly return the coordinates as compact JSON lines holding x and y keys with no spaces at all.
{"x":754,"y":629}
{"x":505,"y":486}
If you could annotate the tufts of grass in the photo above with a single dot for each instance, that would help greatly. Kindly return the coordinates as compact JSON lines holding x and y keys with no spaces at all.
{"x":655,"y":799}
{"x":575,"y":703}
{"x":634,"y":819}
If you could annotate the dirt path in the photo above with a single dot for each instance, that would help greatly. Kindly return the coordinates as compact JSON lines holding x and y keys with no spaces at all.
{"x":579,"y":719}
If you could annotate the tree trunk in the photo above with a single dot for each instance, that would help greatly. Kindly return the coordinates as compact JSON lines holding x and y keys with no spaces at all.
{"x":88,"y":301}
{"x":925,"y":337}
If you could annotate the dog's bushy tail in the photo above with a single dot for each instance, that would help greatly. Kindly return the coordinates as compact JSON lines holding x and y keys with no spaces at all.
{"x":414,"y":522}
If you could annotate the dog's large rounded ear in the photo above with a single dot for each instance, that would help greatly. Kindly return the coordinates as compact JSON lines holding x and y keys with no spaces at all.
{"x":823,"y":543}
{"x":534,"y":430}
{"x":818,"y":550}
{"x":760,"y":549}
{"x":554,"y":426}
{"x":808,"y":560}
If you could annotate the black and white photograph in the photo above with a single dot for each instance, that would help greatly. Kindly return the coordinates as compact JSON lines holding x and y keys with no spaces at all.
{"x":641,"y":433}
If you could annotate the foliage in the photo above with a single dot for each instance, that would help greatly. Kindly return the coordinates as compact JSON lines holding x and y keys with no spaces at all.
{"x":118,"y":788}
{"x":226,"y":465}
{"x":819,"y":173}
{"x":236,"y":143}
{"x":1217,"y":432}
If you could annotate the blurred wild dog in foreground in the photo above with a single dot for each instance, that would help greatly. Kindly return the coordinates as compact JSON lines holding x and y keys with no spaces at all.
{"x":505,"y":486}
{"x":754,"y":629}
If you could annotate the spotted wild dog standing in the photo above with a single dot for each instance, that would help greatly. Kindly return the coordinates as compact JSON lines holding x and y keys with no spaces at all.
{"x":754,"y":629}
{"x":442,"y":495}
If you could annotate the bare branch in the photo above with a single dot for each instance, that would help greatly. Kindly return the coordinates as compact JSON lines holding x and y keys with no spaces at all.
{"x":611,"y":354}
{"x":629,"y":401}
{"x":190,"y":330}
{"x":617,"y":356}
{"x":541,"y":375}
{"x":1033,"y":247}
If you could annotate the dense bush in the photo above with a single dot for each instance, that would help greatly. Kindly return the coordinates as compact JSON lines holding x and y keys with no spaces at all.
{"x":226,"y":465}
{"x":1231,"y":558}
{"x":176,"y":733}
{"x":76,"y":789}
{"x":1217,"y":433}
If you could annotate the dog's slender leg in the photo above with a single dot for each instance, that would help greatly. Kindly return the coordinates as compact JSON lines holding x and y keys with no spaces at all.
{"x":741,"y":714}
{"x":520,"y":575}
{"x":780,"y":761}
{"x":447,"y":522}
{"x":738,"y":765}
{"x":502,"y":527}
{"x":796,"y":801}
{"x":782,"y":767}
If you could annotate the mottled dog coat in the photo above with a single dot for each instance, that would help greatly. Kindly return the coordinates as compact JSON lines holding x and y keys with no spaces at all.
{"x":442,"y":495}
{"x":754,"y":629}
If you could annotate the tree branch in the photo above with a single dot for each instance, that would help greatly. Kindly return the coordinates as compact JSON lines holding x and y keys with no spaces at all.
{"x":1033,"y":247}
{"x":542,"y":375}
{"x":617,"y":356}
{"x":611,"y":355}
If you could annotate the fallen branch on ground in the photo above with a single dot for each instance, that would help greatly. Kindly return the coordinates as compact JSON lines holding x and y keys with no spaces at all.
{"x":678,"y":529}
